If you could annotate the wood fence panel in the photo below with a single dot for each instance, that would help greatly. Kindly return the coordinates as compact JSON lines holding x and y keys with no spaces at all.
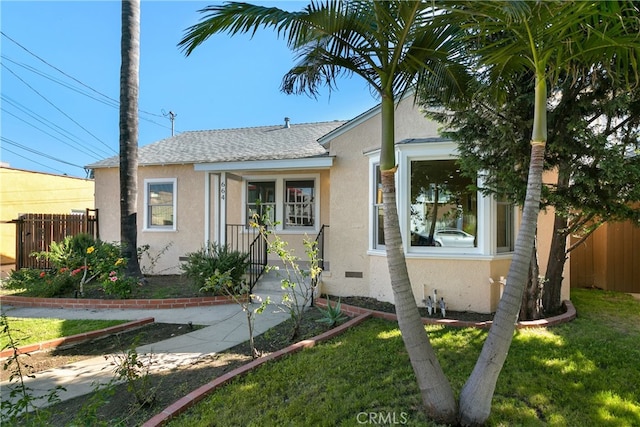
{"x":609,"y":259}
{"x":35,"y":232}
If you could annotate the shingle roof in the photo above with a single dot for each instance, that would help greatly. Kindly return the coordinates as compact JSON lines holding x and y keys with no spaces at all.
{"x":231,"y":145}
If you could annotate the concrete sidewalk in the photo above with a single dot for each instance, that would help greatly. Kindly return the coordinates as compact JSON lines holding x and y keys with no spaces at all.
{"x":226,"y":327}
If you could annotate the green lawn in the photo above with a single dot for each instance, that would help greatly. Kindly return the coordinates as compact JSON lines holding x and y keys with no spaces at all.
{"x":29,"y":331}
{"x":584,"y":373}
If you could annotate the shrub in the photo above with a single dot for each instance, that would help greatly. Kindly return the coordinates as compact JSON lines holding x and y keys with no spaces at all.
{"x":76,"y":261}
{"x":204,"y":263}
{"x":42,"y":283}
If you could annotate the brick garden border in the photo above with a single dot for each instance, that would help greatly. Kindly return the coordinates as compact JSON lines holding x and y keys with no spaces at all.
{"x":568,"y":315}
{"x":75,"y":339}
{"x":358,"y":315}
{"x":125,"y":304}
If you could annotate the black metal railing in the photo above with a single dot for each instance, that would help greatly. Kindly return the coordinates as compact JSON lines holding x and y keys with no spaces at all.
{"x":320,"y":254}
{"x":240,"y":237}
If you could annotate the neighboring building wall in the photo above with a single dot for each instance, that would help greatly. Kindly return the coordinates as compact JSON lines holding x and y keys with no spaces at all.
{"x":23,"y":191}
{"x":608,"y":259}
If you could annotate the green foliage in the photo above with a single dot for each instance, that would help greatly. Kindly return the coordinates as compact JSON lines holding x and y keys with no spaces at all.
{"x":76,"y":261}
{"x":203,"y":264}
{"x":222,"y":283}
{"x":332,"y":314}
{"x":583,"y":373}
{"x":299,"y":284}
{"x":134,"y":370}
{"x":22,"y":406}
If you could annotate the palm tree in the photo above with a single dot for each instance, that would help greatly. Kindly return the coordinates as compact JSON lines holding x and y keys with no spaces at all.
{"x":547,"y":38}
{"x":129,"y":70}
{"x":393,"y":47}
{"x":399,"y":45}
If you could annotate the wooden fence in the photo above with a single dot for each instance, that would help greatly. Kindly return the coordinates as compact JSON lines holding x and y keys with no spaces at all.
{"x":35,"y":232}
{"x":609,"y":259}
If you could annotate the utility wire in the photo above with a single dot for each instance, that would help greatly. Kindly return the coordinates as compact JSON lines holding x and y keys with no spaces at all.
{"x":39,"y":153}
{"x":33,"y":161}
{"x":108,"y":101}
{"x":54,"y":106}
{"x":85,"y":149}
{"x":95,"y":155}
{"x":71,"y":77}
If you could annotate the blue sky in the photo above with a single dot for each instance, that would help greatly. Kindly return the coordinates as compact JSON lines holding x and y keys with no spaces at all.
{"x":60,"y":81}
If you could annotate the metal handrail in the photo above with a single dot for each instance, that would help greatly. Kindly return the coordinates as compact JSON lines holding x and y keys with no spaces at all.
{"x":320,"y":254}
{"x":243,"y":238}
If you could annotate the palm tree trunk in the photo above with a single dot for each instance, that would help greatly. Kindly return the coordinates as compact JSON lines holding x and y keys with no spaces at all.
{"x":129,"y":70}
{"x":436,"y":392}
{"x":477,"y":393}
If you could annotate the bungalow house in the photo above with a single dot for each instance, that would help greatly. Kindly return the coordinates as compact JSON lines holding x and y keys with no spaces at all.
{"x":197,"y":186}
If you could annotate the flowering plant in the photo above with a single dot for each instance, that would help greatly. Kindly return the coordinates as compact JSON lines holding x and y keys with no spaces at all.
{"x":85,"y":259}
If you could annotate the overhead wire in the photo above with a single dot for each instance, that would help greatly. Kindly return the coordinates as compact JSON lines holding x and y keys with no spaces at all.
{"x":80,"y":82}
{"x":85,"y":149}
{"x":31,"y":160}
{"x":39,"y":153}
{"x":57,"y":108}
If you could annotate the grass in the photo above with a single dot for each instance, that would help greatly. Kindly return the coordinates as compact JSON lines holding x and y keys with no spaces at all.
{"x":30,"y":331}
{"x":586,"y":372}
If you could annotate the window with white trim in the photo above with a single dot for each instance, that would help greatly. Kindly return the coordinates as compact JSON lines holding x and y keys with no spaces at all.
{"x":504,"y":226}
{"x":443,"y":209}
{"x":261,"y":200}
{"x":290,"y":201}
{"x":160,"y":204}
{"x":299,"y":203}
{"x":378,"y":210}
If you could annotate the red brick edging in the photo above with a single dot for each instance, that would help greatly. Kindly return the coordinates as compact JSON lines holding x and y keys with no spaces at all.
{"x":567,"y":316}
{"x":125,"y":304}
{"x":74,"y":339}
{"x":197,"y":395}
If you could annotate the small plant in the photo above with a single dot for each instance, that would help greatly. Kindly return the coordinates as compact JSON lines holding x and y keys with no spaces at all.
{"x":203,"y":264}
{"x":151,"y":260}
{"x":21,"y":407}
{"x":131,"y":368}
{"x":224,"y":282}
{"x":298,"y":283}
{"x":332,"y":315}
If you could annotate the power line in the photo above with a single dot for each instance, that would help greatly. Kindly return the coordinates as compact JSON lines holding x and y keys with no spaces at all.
{"x":57,"y":108}
{"x":71,"y":77}
{"x":33,"y":161}
{"x":39,"y":153}
{"x":78,"y":143}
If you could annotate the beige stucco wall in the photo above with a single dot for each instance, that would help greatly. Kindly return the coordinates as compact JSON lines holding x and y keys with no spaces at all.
{"x":189,"y":234}
{"x":24,"y":191}
{"x":464,"y":281}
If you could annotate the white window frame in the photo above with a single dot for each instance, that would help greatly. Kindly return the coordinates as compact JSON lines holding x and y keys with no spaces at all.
{"x":486,"y":209}
{"x":160,"y":228}
{"x":374,"y":163}
{"x":280,"y":200}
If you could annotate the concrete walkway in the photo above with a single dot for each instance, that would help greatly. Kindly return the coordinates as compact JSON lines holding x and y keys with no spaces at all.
{"x":226,"y":327}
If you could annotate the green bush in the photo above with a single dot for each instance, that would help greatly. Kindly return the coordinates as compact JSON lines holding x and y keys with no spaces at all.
{"x":75,"y":262}
{"x":215,"y":259}
{"x":42,"y":283}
